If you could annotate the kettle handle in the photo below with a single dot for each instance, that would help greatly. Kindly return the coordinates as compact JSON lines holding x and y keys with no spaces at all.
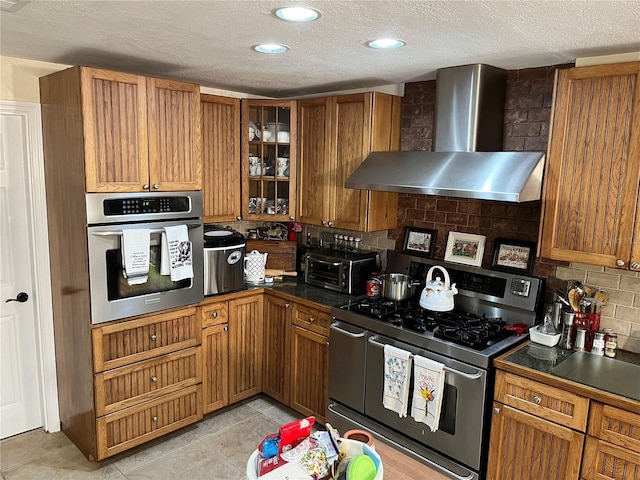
{"x":447,"y":280}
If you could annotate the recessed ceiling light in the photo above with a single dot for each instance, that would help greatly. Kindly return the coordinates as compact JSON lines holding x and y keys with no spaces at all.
{"x":297,"y":14}
{"x":386,"y":43}
{"x":270,"y":48}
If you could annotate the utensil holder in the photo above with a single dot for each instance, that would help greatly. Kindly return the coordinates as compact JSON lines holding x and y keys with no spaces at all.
{"x":589,"y":321}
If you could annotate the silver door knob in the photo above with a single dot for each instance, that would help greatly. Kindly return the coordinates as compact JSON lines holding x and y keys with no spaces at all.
{"x":238,"y":218}
{"x":537,"y":399}
{"x":292,"y":218}
{"x":154,"y":419}
{"x":214,"y":314}
{"x":635,"y":265}
{"x":620,"y":263}
{"x":156,"y":186}
{"x":153,"y":337}
{"x":226,"y":329}
{"x":154,"y":379}
{"x":324,"y":222}
{"x":145,"y":186}
{"x":311,"y":319}
{"x":496,"y":410}
{"x":330,"y":224}
{"x":21,"y":298}
{"x":287,"y":305}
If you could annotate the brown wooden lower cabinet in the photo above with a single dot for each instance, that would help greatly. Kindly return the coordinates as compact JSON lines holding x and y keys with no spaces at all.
{"x":604,"y":461}
{"x":245,"y":347}
{"x":309,"y":373}
{"x":132,"y":426}
{"x":276,"y":359}
{"x":526,"y":447}
{"x":215,"y":375}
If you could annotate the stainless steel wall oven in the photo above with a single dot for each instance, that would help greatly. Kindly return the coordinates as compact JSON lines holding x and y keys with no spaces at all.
{"x":465,"y":341}
{"x":108,"y":215}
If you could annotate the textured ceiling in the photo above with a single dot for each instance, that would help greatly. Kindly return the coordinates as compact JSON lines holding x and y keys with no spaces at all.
{"x":210,"y":41}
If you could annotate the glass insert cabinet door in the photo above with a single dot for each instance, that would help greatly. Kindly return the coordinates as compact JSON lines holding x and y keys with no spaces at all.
{"x":268,"y":159}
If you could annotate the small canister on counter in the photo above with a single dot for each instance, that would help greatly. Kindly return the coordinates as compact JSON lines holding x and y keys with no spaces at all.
{"x":581,"y":338}
{"x":598,"y":344}
{"x":374,"y":284}
{"x":610,"y":343}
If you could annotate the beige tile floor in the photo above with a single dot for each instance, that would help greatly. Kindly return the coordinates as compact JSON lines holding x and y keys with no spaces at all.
{"x":216,"y":448}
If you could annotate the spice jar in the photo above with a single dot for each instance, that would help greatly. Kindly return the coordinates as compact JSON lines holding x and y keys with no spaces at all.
{"x":610,"y":344}
{"x":581,"y":338}
{"x":598,"y":344}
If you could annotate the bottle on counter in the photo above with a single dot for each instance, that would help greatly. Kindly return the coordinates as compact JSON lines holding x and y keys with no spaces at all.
{"x":610,"y":343}
{"x":598,"y":344}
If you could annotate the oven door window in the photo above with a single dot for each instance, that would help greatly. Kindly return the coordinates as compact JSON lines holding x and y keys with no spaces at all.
{"x":118,"y":287}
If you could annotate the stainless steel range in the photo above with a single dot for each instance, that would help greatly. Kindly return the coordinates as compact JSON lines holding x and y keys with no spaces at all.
{"x":465,"y":341}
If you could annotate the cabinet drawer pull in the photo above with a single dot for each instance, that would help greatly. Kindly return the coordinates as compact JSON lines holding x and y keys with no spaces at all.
{"x":287,"y":305}
{"x":620,"y":263}
{"x":635,"y":265}
{"x":327,"y":344}
{"x":154,"y":337}
{"x":496,"y":410}
{"x":154,"y":379}
{"x":311,"y":319}
{"x":156,"y":186}
{"x":214,"y":314}
{"x":537,"y":399}
{"x":154,"y":419}
{"x":145,"y":186}
{"x":226,"y":329}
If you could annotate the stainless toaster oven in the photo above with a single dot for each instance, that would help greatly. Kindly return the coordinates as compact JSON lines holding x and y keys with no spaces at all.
{"x":344,"y":272}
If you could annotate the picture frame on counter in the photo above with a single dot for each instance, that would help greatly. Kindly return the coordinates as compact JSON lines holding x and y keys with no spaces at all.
{"x":465,"y":248}
{"x":513,"y":256}
{"x":420,"y":241}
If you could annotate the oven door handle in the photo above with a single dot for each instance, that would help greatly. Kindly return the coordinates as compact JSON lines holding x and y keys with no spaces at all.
{"x":324,"y":262}
{"x":334,"y":326}
{"x":470,"y":376}
{"x":116,"y":233}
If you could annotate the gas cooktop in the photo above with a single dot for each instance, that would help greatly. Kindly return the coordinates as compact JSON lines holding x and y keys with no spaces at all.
{"x":461,"y":327}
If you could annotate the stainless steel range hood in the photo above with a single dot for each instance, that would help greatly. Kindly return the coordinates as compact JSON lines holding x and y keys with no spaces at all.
{"x":467,"y":160}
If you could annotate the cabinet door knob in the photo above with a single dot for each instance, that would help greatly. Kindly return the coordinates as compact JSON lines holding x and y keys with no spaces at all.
{"x":214,"y":314}
{"x":226,"y":329}
{"x":496,"y":410}
{"x":311,"y":319}
{"x":330,"y":224}
{"x":156,"y":186}
{"x":292,"y":218}
{"x":324,"y":222}
{"x":327,"y":344}
{"x":287,"y":305}
{"x":154,"y":379}
{"x":537,"y":399}
{"x":154,"y":419}
{"x":635,"y":265}
{"x":620,"y":263}
{"x":153,"y":337}
{"x":238,"y":217}
{"x":145,"y":186}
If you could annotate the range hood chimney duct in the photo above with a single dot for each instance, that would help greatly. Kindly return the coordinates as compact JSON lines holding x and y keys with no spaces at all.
{"x":467,"y":160}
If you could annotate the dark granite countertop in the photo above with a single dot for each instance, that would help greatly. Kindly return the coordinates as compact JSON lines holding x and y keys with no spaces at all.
{"x":297,"y":288}
{"x":546,"y":360}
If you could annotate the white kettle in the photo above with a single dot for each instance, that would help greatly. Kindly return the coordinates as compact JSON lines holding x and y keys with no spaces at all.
{"x":438,"y":295}
{"x":254,"y":265}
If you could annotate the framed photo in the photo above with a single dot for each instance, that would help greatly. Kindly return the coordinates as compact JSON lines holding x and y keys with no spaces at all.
{"x":420,"y":241}
{"x":514,"y":256}
{"x":465,"y":248}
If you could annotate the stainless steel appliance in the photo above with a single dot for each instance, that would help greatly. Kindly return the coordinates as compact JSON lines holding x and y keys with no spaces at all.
{"x":465,"y":341}
{"x":339,"y":270}
{"x":467,"y":159}
{"x":223,"y":260}
{"x":108,"y":215}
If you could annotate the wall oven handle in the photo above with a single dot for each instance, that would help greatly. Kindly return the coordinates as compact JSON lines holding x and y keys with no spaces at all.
{"x":115,"y":233}
{"x":334,"y":326}
{"x":470,"y":376}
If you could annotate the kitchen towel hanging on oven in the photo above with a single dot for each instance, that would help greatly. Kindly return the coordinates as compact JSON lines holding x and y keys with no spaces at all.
{"x":135,"y":255}
{"x":176,"y":256}
{"x":428,"y":384}
{"x":397,"y":373}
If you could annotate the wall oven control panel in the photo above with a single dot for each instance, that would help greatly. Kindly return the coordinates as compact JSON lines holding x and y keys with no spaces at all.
{"x":143,"y":205}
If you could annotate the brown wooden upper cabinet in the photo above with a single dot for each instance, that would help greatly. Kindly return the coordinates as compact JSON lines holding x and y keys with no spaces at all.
{"x":220,"y":158}
{"x":590,"y":201}
{"x":139,"y":133}
{"x":336,"y":134}
{"x":269,"y":160}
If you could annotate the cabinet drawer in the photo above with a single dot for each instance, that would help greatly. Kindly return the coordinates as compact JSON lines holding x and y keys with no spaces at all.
{"x":312,"y":319}
{"x":214,"y":314}
{"x":615,"y":426}
{"x":122,"y":430}
{"x":603,"y":461}
{"x":143,"y":338}
{"x":125,"y":386}
{"x":547,"y":402}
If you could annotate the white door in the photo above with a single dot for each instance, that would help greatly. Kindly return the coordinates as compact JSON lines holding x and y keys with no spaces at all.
{"x":20,"y":400}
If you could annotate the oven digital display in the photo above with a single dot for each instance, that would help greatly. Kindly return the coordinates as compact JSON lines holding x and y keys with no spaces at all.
{"x":145,"y":205}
